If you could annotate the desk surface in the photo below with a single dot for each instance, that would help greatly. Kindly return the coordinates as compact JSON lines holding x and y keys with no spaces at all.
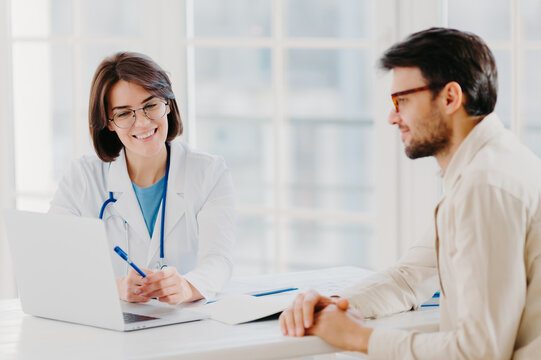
{"x":28,"y":337}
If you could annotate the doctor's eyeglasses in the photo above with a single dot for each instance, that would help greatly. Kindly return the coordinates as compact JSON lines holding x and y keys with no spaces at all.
{"x":155,"y":109}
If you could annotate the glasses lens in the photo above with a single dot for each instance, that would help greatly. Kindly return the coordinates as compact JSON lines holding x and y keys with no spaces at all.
{"x":155,"y":110}
{"x":124,"y":119}
{"x":395,"y":102}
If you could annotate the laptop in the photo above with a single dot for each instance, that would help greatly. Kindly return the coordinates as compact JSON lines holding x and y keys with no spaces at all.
{"x":64,"y":271}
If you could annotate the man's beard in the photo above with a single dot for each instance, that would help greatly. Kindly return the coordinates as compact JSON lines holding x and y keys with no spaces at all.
{"x":436,"y":137}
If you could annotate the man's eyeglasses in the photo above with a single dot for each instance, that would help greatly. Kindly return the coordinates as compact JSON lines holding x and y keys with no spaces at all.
{"x":406,"y":92}
{"x":153,"y":110}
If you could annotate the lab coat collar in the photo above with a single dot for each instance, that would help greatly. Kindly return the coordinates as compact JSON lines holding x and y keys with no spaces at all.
{"x":487,"y":129}
{"x":128,"y":207}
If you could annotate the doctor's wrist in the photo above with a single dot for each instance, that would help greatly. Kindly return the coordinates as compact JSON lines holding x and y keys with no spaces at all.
{"x":192,"y":294}
{"x":121,"y":287}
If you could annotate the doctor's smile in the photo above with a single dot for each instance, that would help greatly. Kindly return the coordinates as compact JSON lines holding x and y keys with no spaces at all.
{"x":145,"y":136}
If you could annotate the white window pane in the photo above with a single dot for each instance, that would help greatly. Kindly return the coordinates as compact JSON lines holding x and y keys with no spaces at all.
{"x":41,"y":18}
{"x":43,"y":114}
{"x":33,"y":203}
{"x":487,"y":18}
{"x":330,"y":83}
{"x":33,"y":110}
{"x":530,"y":110}
{"x":111,"y":18}
{"x":233,"y":82}
{"x":244,"y":18}
{"x":531,"y":13}
{"x":315,"y":244}
{"x":62,"y":98}
{"x":247,"y":147}
{"x":254,"y":249}
{"x":331,"y":165}
{"x":330,"y":18}
{"x":532,"y":138}
{"x":503,"y":106}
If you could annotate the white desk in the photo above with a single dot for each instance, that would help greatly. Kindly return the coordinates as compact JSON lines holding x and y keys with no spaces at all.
{"x":27,"y":337}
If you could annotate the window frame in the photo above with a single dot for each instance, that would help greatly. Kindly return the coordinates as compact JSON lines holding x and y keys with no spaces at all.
{"x":401,"y":197}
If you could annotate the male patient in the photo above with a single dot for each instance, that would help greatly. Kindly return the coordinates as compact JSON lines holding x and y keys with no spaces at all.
{"x":484,"y":249}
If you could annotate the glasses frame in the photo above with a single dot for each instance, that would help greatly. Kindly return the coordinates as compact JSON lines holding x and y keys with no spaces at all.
{"x":407,"y":92}
{"x":144,"y":112}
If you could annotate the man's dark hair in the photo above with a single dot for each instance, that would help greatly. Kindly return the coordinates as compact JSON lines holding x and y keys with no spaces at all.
{"x":444,"y":55}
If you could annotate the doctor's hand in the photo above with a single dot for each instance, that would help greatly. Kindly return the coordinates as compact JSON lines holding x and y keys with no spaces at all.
{"x":129,"y":287}
{"x":300,"y":315}
{"x":168,"y":286}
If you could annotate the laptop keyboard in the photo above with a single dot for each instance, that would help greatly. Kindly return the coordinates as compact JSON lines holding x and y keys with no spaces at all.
{"x":130,"y":318}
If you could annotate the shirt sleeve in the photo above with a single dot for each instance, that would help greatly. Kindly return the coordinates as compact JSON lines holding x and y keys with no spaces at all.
{"x":489,"y":281}
{"x":402,"y":287}
{"x":217,"y":224}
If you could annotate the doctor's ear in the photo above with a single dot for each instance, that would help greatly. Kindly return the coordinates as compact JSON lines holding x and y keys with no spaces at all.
{"x":110,"y":126}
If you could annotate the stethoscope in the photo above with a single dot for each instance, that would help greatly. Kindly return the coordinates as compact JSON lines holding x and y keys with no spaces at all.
{"x":161,"y":262}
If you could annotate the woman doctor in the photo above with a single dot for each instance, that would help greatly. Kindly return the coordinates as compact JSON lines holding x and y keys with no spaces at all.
{"x":169,"y":207}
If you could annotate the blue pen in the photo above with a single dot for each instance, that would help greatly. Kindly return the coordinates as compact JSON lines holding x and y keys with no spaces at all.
{"x":270,"y":292}
{"x":123,"y":255}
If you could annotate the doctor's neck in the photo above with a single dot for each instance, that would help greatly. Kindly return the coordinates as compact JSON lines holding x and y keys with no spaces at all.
{"x":145,"y":171}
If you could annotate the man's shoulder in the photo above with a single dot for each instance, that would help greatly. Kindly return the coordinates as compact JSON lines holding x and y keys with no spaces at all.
{"x":506,"y":164}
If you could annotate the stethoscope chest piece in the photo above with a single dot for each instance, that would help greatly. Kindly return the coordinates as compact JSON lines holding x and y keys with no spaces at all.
{"x":160,"y":265}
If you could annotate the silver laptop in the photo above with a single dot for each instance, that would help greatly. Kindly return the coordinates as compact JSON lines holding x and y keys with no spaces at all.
{"x":64,"y":272}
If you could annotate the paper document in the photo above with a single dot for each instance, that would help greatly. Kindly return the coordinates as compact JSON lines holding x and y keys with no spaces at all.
{"x":239,"y":309}
{"x":325,"y":281}
{"x":235,"y":304}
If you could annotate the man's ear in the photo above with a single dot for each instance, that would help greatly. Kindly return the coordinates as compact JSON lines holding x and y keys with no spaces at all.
{"x":453,"y":97}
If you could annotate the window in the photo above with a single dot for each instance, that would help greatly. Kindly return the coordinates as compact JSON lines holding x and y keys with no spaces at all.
{"x":284,"y":90}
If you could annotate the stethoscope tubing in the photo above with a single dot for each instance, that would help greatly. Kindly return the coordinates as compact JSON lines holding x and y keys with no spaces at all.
{"x":164,"y":198}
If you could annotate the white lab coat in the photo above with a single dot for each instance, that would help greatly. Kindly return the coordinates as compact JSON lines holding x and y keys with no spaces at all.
{"x":199,"y":222}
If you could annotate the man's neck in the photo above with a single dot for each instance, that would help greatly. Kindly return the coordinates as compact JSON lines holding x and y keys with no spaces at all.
{"x":462,"y":124}
{"x":146,"y":171}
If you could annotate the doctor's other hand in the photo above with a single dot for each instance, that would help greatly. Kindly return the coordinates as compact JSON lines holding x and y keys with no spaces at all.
{"x":168,"y":286}
{"x":129,"y":287}
{"x":300,"y":314}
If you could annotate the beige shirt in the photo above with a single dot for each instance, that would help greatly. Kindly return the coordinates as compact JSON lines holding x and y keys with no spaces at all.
{"x":486,"y":257}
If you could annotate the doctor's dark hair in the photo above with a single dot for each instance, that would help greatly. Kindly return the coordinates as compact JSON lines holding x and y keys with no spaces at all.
{"x":134,"y":68}
{"x":444,"y":55}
